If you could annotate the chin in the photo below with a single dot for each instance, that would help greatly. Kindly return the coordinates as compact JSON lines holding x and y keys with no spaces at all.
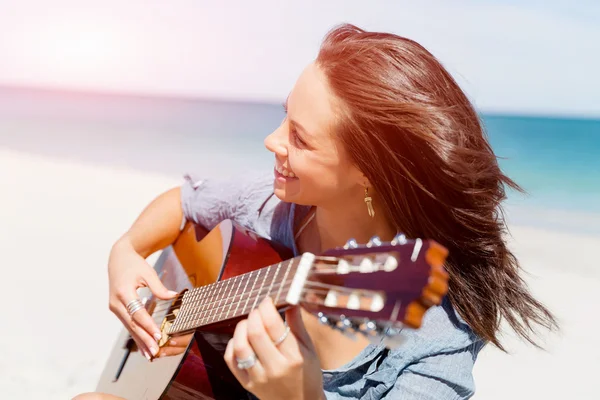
{"x":287,"y":197}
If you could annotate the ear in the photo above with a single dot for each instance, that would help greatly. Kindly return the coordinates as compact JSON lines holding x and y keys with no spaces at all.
{"x":359,"y":177}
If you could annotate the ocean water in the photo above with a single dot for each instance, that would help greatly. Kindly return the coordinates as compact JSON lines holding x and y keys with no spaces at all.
{"x":556,"y":160}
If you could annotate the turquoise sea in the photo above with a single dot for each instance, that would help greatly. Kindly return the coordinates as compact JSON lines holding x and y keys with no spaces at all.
{"x":555,"y":159}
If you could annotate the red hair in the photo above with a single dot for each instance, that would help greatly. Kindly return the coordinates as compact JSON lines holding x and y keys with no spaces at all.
{"x":411,"y":130}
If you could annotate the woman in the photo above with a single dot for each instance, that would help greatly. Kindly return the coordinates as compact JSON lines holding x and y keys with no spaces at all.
{"x":378,"y":139}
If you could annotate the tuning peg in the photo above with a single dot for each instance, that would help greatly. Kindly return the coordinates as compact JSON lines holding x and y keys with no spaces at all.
{"x":400,"y":238}
{"x":346,"y":326}
{"x":351,"y":244}
{"x":327,"y":320}
{"x":390,"y":264}
{"x":366,"y":265}
{"x":323,"y":318}
{"x":374,"y":241}
{"x":368,"y":328}
{"x":345,"y":323}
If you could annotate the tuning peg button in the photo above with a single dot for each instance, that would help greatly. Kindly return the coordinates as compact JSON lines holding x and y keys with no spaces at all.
{"x":351,"y":244}
{"x":374,"y":241}
{"x":323,"y":318}
{"x":345,"y":323}
{"x":400,"y":238}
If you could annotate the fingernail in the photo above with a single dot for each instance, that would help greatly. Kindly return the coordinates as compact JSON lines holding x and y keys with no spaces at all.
{"x":153,"y":350}
{"x":157,"y":336}
{"x":268,"y":300}
{"x":146,"y":354}
{"x":172,"y":342}
{"x":171,"y":293}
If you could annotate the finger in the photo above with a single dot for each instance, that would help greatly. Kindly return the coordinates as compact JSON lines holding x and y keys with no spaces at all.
{"x":242,"y":350}
{"x":156,"y":286}
{"x":142,"y":349}
{"x":293,"y":316}
{"x":264,"y":327}
{"x":135,"y":329}
{"x":142,"y":318}
{"x":146,"y":322}
{"x":139,"y":343}
{"x":241,"y":375}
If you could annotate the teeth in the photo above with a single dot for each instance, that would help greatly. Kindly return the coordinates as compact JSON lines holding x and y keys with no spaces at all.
{"x":285,"y":172}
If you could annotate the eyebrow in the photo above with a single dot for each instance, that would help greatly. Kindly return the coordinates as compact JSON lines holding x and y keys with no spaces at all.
{"x":296,"y":123}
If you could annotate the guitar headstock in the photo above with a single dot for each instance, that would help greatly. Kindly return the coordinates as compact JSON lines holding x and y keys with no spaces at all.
{"x":378,"y":288}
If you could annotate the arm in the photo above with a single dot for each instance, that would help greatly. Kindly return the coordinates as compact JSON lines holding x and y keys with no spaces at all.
{"x":156,"y":227}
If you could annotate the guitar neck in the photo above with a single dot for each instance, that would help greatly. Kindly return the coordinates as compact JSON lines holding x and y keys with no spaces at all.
{"x":236,"y":297}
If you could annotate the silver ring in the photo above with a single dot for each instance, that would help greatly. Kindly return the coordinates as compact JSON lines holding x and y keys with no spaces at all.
{"x":133,"y":306}
{"x":282,"y":337}
{"x":246,"y":362}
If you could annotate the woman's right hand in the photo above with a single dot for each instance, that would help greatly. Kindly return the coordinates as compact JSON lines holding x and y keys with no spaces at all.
{"x":127,"y":272}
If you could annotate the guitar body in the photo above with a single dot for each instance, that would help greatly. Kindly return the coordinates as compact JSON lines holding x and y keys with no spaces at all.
{"x":195,"y":368}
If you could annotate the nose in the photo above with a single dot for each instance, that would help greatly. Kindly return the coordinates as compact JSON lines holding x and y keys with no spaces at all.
{"x":277,"y":142}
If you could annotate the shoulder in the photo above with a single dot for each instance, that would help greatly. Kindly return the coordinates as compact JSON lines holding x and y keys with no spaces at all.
{"x":434,"y":362}
{"x":246,"y":198}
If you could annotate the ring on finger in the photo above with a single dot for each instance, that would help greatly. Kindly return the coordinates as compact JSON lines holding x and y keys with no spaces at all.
{"x":246,"y":363}
{"x":133,"y":306}
{"x":283,"y":336}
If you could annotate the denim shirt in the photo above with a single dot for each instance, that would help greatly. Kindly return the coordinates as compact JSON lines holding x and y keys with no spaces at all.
{"x":435,"y":361}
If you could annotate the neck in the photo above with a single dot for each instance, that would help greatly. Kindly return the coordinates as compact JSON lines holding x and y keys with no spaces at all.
{"x":337,"y":223}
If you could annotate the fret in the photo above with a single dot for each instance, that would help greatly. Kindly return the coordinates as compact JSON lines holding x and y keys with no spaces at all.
{"x":193,"y":306}
{"x":243,"y":291}
{"x":222,"y":294}
{"x":227,"y":299}
{"x":287,"y":271}
{"x":260,"y":288}
{"x":231,"y":301}
{"x":201,"y":306}
{"x":273,"y":280}
{"x":205,"y":314}
{"x":185,"y":309}
{"x":250,"y":294}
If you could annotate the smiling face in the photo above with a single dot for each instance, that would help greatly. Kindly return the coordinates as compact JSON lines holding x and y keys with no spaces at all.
{"x":310,"y":167}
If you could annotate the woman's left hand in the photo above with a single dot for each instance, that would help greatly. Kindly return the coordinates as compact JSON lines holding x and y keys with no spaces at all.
{"x":289,"y":370}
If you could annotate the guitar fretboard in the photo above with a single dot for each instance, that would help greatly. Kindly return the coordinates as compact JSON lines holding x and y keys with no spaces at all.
{"x":234,"y":297}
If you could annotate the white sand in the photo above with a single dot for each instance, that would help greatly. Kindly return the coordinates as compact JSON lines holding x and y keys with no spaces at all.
{"x":59,"y":219}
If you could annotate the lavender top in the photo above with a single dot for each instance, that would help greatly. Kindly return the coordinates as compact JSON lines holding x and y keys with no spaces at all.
{"x":435,"y":362}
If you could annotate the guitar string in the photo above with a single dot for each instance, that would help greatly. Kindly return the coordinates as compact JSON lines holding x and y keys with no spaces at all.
{"x":309,"y":285}
{"x":208,"y":319}
{"x":202,"y":307}
{"x":213,"y":311}
{"x":208,"y":287}
{"x":158,"y":318}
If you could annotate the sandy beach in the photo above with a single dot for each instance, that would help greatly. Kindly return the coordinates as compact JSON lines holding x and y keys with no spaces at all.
{"x":59,"y":218}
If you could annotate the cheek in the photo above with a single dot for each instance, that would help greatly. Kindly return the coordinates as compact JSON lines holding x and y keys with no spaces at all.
{"x":324,"y":174}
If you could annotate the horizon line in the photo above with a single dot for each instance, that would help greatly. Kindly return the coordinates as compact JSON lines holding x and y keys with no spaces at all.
{"x":147,"y":95}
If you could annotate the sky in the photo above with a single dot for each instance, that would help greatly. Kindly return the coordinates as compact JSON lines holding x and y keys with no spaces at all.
{"x":533,"y":56}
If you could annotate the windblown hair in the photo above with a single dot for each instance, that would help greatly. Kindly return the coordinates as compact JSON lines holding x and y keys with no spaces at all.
{"x":412,"y":131}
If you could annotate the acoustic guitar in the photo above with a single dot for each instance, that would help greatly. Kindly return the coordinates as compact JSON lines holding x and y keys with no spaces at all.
{"x":377,"y":290}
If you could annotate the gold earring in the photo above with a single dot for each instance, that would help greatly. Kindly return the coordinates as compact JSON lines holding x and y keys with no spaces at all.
{"x":369,"y":202}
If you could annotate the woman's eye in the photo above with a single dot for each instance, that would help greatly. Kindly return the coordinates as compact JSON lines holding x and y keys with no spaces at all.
{"x":296,"y":138}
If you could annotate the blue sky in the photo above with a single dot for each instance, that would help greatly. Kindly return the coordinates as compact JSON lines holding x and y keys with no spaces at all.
{"x":509,"y":56}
